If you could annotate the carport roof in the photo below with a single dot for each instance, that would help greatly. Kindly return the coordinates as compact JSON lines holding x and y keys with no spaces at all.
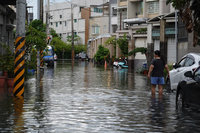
{"x":8,"y":2}
{"x":166,"y":16}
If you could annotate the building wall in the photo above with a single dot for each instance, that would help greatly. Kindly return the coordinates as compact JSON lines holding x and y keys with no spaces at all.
{"x":171,"y":49}
{"x":7,"y":21}
{"x":62,"y":25}
{"x":140,"y":42}
{"x":163,"y":7}
{"x":103,"y":24}
{"x":185,"y":47}
{"x":121,"y":16}
{"x":85,"y":14}
{"x":113,"y":16}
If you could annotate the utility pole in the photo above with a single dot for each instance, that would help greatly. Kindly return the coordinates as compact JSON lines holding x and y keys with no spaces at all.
{"x":20,"y":49}
{"x":72,"y":26}
{"x":176,"y":34}
{"x":47,"y":18}
{"x":40,"y":17}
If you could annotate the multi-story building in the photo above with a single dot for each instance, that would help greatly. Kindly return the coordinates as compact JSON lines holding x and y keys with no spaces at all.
{"x":132,"y":21}
{"x":113,"y":16}
{"x":7,"y":21}
{"x":99,"y":20}
{"x":121,"y":13}
{"x":99,"y":27}
{"x":60,"y":19}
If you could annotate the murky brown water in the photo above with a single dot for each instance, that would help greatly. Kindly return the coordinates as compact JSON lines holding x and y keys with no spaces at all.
{"x":90,"y":99}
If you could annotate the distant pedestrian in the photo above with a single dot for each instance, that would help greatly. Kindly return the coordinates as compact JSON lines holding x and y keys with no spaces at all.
{"x":156,"y":72}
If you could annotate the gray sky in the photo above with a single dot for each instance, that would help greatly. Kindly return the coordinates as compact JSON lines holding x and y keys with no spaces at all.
{"x":34,"y":4}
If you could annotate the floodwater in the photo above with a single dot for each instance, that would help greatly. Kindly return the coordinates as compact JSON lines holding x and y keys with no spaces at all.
{"x":84,"y":98}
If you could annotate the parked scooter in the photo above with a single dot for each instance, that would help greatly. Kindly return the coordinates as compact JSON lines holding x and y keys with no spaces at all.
{"x":120,"y":64}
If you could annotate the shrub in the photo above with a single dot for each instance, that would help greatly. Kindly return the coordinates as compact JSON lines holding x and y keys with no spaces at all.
{"x":123,"y":45}
{"x":102,"y":54}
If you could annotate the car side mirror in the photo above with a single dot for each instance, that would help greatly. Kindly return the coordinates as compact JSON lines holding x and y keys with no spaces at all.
{"x":175,"y":65}
{"x":188,"y":74}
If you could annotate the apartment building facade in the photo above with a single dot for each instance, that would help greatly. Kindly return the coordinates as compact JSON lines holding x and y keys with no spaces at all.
{"x":7,"y":24}
{"x":132,"y":21}
{"x":113,"y":17}
{"x":99,"y":21}
{"x":60,"y":18}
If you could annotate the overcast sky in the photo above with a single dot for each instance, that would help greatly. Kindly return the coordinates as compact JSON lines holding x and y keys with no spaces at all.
{"x":34,"y":4}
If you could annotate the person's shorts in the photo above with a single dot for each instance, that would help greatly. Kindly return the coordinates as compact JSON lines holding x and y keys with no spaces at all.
{"x":157,"y":80}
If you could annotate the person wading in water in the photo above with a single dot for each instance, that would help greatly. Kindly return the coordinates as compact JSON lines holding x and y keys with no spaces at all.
{"x":156,"y":73}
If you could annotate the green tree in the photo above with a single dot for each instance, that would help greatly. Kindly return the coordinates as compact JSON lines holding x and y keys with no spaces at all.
{"x":190,"y":13}
{"x":112,"y":41}
{"x":53,"y":33}
{"x":38,"y":25}
{"x":35,"y":39}
{"x":102,"y":54}
{"x":63,"y":50}
{"x":123,"y":45}
{"x":76,"y":38}
{"x":59,"y":46}
{"x":36,"y":35}
{"x":141,"y":50}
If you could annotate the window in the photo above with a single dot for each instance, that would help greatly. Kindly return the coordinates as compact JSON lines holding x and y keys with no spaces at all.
{"x":140,"y":8}
{"x":81,"y":8}
{"x":186,"y":62}
{"x":95,"y":29}
{"x":182,"y":62}
{"x":189,"y":62}
{"x":75,"y":20}
{"x":60,"y":16}
{"x":65,"y":23}
{"x":98,"y":10}
{"x":60,"y":22}
{"x":56,"y":24}
{"x":114,"y":12}
{"x":51,"y":23}
{"x":197,"y":75}
{"x":153,"y":7}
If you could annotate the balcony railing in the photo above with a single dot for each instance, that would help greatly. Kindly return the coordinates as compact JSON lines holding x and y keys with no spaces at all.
{"x":168,"y":31}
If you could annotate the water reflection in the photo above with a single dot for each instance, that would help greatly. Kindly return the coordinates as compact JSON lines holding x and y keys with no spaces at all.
{"x":158,"y":112}
{"x":18,"y":115}
{"x":84,"y":98}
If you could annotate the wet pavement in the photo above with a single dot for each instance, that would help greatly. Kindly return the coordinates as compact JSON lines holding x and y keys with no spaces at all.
{"x":85,"y":98}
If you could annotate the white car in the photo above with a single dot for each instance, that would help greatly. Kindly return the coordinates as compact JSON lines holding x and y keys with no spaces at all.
{"x":188,"y":62}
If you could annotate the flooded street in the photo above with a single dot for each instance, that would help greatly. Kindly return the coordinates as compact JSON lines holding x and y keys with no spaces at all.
{"x":89,"y":99}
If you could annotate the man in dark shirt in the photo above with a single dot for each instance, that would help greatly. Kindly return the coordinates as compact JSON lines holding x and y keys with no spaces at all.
{"x":156,"y":72}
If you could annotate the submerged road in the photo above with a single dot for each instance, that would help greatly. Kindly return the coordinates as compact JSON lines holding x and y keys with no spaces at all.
{"x":84,"y":98}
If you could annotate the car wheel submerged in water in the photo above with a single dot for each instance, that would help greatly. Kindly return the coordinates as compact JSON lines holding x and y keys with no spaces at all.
{"x":180,"y":99}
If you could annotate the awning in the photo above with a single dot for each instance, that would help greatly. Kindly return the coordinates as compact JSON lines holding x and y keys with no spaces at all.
{"x":165,"y":16}
{"x":136,"y":20}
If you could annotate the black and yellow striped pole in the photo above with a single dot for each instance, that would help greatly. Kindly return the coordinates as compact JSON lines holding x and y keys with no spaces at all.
{"x":19,"y":70}
{"x":41,"y":58}
{"x":19,"y":67}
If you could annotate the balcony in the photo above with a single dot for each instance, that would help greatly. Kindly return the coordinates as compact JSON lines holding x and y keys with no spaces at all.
{"x":168,"y":31}
{"x":122,"y":3}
